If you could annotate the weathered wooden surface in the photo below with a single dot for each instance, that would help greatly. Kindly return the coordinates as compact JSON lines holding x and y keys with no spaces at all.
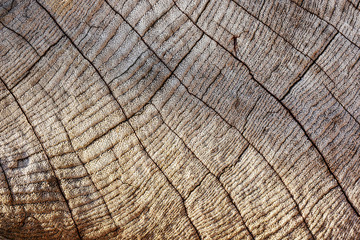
{"x":187,"y":119}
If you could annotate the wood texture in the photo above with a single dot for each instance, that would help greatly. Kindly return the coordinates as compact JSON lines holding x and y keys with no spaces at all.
{"x":179,"y":119}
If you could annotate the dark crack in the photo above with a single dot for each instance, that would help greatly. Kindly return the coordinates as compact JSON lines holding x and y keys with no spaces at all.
{"x":21,"y":36}
{"x":251,"y":74}
{"x":7,"y":183}
{"x":34,"y":64}
{"x":272,"y":168}
{"x":57,"y":181}
{"x":234,"y":164}
{"x":209,"y":171}
{"x":326,"y":22}
{"x":308,"y":68}
{"x":6,"y":6}
{"x":121,"y":108}
{"x":337,"y":100}
{"x":285,"y":107}
{"x":78,"y":157}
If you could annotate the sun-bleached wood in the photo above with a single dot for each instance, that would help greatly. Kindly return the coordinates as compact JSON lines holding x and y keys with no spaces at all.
{"x":179,"y":119}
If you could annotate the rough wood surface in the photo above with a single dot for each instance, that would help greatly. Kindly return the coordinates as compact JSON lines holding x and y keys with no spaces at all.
{"x":179,"y":119}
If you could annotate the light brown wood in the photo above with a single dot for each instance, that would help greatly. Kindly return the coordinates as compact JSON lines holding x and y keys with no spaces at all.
{"x":179,"y":119}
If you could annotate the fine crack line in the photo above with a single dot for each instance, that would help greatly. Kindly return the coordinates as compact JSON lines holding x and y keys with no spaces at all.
{"x":313,"y":61}
{"x":128,"y":68}
{"x":326,"y":22}
{"x":155,"y":54}
{"x":288,"y":190}
{"x":250,"y":73}
{"x":201,"y":13}
{"x":167,"y":179}
{"x":326,"y":164}
{"x":341,"y":104}
{"x":324,"y":195}
{"x":38,"y":60}
{"x":308,"y":68}
{"x":209,"y":171}
{"x":46,"y":155}
{"x":7,"y":182}
{"x":97,"y":138}
{"x":153,"y":24}
{"x":21,"y":36}
{"x":127,"y":119}
{"x":252,"y":76}
{"x":283,"y":183}
{"x":234,"y":164}
{"x":197,"y":185}
{"x":171,"y":71}
{"x":271,"y":29}
{"x":284,"y":106}
{"x":220,"y":74}
{"x":78,"y":157}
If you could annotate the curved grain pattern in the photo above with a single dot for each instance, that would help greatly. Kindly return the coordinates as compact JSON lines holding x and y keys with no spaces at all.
{"x":178,"y":119}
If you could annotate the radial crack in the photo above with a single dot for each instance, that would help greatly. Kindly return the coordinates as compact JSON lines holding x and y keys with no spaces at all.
{"x":272,"y":30}
{"x":121,"y":108}
{"x":82,"y":163}
{"x":287,"y":110}
{"x":326,"y":22}
{"x":34,"y":64}
{"x":7,"y":182}
{"x":167,"y":179}
{"x":337,"y":100}
{"x":209,"y":171}
{"x":263,"y":157}
{"x":234,"y":164}
{"x":250,"y":73}
{"x":47,"y":157}
{"x":21,"y":36}
{"x":308,"y":68}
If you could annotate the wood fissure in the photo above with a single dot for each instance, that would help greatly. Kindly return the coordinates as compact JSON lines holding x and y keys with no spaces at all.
{"x":299,"y":5}
{"x":126,"y":117}
{"x":7,"y":182}
{"x":209,"y":172}
{"x":288,"y":190}
{"x":47,"y":157}
{"x":308,"y":68}
{"x":293,"y":117}
{"x":179,"y":119}
{"x":22,"y":37}
{"x":82,"y":163}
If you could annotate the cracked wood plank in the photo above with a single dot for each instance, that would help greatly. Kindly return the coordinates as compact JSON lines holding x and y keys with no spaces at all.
{"x":178,"y":119}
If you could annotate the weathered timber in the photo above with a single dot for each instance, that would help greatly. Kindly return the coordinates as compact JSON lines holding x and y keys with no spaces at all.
{"x":179,"y":119}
